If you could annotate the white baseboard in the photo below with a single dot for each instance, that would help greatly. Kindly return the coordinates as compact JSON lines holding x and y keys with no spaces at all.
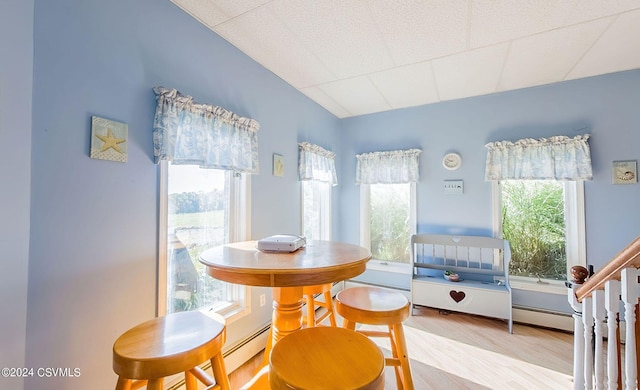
{"x":558,"y":321}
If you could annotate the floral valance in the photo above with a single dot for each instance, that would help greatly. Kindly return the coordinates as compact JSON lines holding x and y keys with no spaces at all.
{"x":186,"y":132}
{"x":390,"y":167}
{"x":555,"y":158}
{"x":316,"y":163}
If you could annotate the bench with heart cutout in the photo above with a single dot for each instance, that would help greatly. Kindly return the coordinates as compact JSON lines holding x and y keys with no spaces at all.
{"x":482,"y":264}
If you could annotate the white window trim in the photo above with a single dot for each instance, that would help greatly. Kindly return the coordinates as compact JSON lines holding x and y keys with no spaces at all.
{"x":327,"y":231}
{"x":575,"y":232}
{"x":240,"y":202}
{"x":163,"y":223}
{"x":365,"y":231}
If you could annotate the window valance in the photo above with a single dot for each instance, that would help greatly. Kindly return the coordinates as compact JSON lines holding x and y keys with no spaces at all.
{"x":186,"y":132}
{"x":555,"y":158}
{"x":316,"y":163}
{"x":390,"y":167}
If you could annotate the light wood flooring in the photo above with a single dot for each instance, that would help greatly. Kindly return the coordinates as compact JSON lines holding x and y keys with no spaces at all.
{"x":461,"y":351}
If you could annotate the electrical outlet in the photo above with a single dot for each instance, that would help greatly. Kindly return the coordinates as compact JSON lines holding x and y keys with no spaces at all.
{"x":262,"y":300}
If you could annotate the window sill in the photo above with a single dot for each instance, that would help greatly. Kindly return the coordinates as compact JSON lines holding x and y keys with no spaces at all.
{"x":231,"y":311}
{"x":389,"y":266}
{"x":530,"y":284}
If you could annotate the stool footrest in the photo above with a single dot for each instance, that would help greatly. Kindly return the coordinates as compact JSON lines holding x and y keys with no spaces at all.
{"x":202,"y":376}
{"x":392,"y":362}
{"x":374,"y":333}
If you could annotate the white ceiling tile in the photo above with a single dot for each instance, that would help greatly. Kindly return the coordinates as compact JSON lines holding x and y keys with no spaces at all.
{"x":502,"y":20}
{"x":316,"y":94}
{"x":357,"y":95}
{"x":213,"y":12}
{"x":361,"y":56}
{"x":469,"y":74}
{"x":261,"y":35}
{"x":415,"y":31}
{"x":341,"y":34}
{"x":548,"y":57}
{"x":618,"y":49}
{"x":586,"y":10}
{"x":407,"y":86}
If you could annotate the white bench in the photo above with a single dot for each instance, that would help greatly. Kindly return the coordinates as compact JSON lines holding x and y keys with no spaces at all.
{"x":482,"y":264}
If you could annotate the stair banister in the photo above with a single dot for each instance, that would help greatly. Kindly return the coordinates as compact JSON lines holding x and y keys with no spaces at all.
{"x":596,"y":304}
{"x":628,"y":257}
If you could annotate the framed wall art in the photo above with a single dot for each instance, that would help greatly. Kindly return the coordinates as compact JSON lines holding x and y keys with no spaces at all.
{"x":625,"y":172}
{"x":108,"y":139}
{"x":278,"y":165}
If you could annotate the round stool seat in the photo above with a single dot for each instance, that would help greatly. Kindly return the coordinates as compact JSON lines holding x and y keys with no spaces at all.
{"x":326,"y":358}
{"x":169,"y":345}
{"x":372,"y":305}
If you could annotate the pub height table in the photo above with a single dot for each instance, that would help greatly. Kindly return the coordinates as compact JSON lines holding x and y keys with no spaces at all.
{"x":319,"y":262}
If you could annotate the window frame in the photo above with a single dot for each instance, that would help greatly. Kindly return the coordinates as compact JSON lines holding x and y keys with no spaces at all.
{"x":239,"y":228}
{"x":575,"y":235}
{"x":365,"y":231}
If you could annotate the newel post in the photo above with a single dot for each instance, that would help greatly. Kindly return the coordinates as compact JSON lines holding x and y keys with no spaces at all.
{"x":578,"y":276}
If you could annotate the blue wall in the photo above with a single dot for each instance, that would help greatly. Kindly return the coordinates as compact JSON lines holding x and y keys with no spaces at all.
{"x":92,"y":270}
{"x":92,"y":233}
{"x":605,"y":107}
{"x":16,"y":82}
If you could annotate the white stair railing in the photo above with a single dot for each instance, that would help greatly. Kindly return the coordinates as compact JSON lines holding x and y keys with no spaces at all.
{"x":596,"y":304}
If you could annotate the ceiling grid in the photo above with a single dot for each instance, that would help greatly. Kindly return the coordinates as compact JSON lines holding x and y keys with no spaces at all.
{"x":364,"y":56}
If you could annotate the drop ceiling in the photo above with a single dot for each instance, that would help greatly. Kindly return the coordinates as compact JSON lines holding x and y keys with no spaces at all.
{"x":356,"y":57}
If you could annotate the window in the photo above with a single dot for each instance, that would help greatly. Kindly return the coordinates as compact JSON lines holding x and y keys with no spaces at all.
{"x":388,"y":203}
{"x":317,"y":173}
{"x":538,"y":205}
{"x":316,"y":210}
{"x":544,"y":223}
{"x":204,"y":208}
{"x":205,"y":154}
{"x":388,"y":220}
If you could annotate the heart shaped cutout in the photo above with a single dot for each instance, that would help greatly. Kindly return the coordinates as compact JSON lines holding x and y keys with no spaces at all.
{"x":457,"y":295}
{"x":455,"y":239}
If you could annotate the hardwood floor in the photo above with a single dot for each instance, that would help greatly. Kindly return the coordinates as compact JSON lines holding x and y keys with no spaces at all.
{"x":461,"y":351}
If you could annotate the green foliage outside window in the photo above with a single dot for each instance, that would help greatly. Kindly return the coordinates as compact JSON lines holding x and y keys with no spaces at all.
{"x":533,"y":222}
{"x":389,"y":216}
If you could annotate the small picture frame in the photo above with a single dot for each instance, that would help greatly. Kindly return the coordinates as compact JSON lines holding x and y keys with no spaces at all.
{"x":625,"y":172}
{"x":278,"y":165}
{"x":108,"y":139}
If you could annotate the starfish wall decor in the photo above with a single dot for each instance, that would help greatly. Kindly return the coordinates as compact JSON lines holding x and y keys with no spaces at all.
{"x":108,"y":139}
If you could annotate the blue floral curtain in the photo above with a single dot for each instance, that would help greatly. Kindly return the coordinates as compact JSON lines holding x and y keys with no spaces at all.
{"x":391,"y":167}
{"x":316,"y":163}
{"x":555,"y":158}
{"x":186,"y":132}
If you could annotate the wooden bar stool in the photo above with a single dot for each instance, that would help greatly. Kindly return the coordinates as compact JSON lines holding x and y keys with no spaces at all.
{"x":168,"y":345}
{"x":378,"y":306}
{"x":309,"y":293}
{"x":310,"y":319}
{"x":326,"y":358}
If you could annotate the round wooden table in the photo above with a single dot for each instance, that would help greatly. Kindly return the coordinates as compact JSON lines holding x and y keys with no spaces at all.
{"x":318,"y":262}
